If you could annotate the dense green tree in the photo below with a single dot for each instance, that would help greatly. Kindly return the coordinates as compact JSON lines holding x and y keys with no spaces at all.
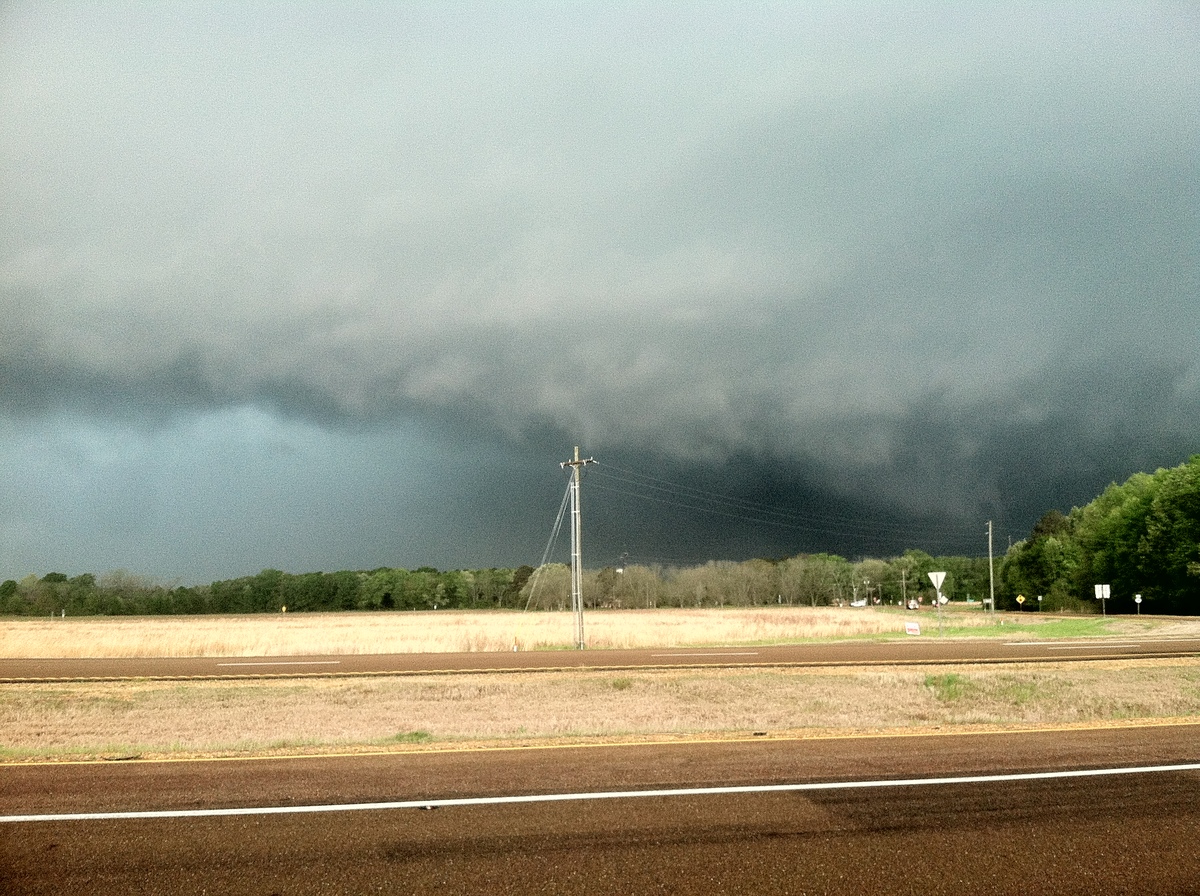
{"x":1108,"y":531}
{"x":966,"y":577}
{"x":1047,"y":564}
{"x":512,"y":593}
{"x":1168,"y":551}
{"x":12,"y":601}
{"x":1140,"y":537}
{"x":486,"y":587}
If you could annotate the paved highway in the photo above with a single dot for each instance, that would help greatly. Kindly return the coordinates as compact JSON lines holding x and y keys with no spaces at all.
{"x":916,"y":650}
{"x":1131,"y":832}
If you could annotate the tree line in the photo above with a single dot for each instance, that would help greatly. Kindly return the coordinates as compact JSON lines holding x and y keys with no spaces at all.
{"x":817,"y":580}
{"x":1141,"y":537}
{"x":810,"y":579}
{"x":270,"y":591}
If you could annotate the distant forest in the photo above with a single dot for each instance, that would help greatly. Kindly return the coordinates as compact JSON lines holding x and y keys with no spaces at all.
{"x":1141,"y":537}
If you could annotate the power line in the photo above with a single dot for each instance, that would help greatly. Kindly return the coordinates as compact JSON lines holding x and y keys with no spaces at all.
{"x":653,"y":489}
{"x":537,"y":578}
{"x":731,"y":505}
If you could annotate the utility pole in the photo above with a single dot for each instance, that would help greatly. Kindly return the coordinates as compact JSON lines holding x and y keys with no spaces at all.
{"x":991,"y":573}
{"x":576,"y":545}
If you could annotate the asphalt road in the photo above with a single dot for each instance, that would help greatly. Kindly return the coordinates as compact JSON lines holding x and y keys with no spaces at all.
{"x":1125,"y":833}
{"x":917,"y":650}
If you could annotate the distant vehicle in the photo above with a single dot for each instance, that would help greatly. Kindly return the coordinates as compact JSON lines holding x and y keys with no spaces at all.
{"x":913,"y":605}
{"x":859,"y":603}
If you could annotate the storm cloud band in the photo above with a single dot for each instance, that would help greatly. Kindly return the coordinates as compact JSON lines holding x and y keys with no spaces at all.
{"x":938,"y":265}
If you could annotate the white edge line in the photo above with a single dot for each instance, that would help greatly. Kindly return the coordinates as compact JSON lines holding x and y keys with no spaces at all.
{"x":743,"y":653}
{"x":1141,"y":642}
{"x":601,"y":795}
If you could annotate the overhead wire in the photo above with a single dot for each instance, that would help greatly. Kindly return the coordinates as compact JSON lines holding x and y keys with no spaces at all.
{"x":654,"y":489}
{"x":761,"y":512}
{"x":554,"y":533}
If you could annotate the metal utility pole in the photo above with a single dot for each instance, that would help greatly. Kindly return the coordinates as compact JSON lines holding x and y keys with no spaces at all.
{"x":991,"y":573}
{"x":576,"y":545}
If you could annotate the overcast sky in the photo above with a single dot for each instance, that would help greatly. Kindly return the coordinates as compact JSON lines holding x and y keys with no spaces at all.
{"x":329,"y":285}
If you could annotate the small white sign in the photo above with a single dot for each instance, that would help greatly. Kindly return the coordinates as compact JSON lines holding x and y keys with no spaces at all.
{"x":912,"y":628}
{"x":1103,"y":592}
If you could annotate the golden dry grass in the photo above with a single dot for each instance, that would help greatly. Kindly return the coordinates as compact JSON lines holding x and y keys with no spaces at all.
{"x":241,"y":717}
{"x":171,"y":718}
{"x":313,"y":634}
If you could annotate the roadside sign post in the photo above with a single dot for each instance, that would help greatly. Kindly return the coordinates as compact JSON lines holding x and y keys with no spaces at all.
{"x":1103,"y":593}
{"x":1039,"y":603}
{"x":1020,"y":601}
{"x":937,"y":578}
{"x":1137,"y":599}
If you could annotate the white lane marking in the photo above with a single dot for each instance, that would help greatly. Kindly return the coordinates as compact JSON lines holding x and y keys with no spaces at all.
{"x":288,"y":663}
{"x":707,"y":653}
{"x":1067,"y":645}
{"x":601,"y":795}
{"x":1090,"y":646}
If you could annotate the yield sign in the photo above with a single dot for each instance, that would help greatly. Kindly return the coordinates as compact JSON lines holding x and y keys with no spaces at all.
{"x":936,"y":578}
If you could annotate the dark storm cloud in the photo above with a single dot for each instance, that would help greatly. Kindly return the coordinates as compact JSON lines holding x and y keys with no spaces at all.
{"x":910,"y":268}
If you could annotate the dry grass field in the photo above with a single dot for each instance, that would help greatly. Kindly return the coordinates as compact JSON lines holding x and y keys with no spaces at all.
{"x":174,"y":719}
{"x":312,"y":634}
